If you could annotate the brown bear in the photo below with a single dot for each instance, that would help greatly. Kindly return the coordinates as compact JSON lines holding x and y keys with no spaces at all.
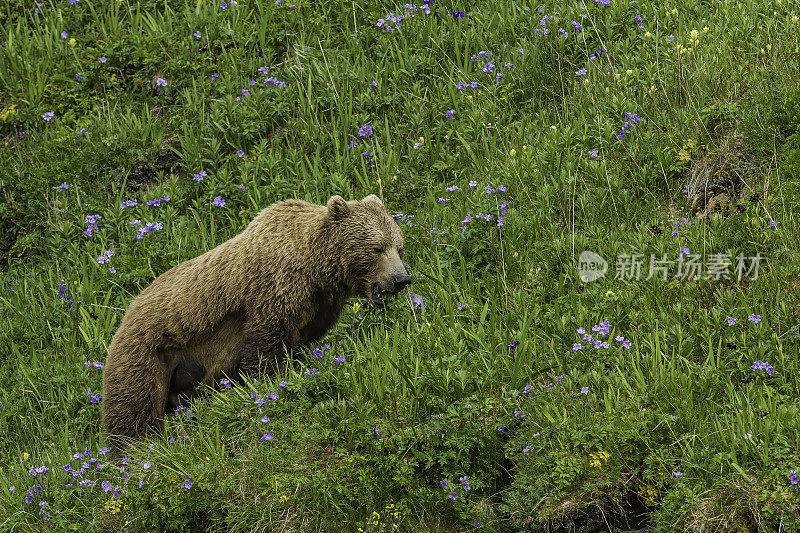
{"x":280,"y":284}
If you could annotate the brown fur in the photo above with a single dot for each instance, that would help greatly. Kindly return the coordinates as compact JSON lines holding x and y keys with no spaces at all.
{"x":281,"y":283}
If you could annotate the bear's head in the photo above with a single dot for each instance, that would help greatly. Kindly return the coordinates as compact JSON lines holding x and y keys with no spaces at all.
{"x":370,"y":247}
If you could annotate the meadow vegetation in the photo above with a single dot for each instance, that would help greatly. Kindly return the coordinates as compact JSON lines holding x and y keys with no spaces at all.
{"x":503,"y":392}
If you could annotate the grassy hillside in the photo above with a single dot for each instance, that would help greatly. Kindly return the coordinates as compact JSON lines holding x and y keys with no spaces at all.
{"x":503,"y":391}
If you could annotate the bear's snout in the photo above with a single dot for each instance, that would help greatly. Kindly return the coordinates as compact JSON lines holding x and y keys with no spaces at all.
{"x":401,"y":281}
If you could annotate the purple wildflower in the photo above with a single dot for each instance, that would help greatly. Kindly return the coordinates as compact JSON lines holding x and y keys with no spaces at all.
{"x":763,"y":365}
{"x":365,"y":130}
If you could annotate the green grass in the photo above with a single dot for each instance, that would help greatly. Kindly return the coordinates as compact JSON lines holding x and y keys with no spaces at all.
{"x":432,"y":390}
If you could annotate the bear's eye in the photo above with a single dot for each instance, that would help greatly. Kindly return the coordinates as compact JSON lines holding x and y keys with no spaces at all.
{"x":378,"y":250}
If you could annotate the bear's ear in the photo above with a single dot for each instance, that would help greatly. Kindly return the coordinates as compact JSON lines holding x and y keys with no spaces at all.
{"x":373,"y":198}
{"x":338,"y":208}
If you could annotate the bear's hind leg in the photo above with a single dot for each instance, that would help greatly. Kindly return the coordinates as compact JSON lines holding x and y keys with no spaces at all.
{"x":134,"y":395}
{"x":185,"y":378}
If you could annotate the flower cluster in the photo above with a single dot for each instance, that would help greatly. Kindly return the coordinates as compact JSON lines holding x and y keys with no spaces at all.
{"x":274,"y":81}
{"x":763,"y":365}
{"x":602,"y":330}
{"x":417,"y":301}
{"x":487,"y":217}
{"x":365,"y":130}
{"x":94,"y":398}
{"x":157,"y":201}
{"x":401,"y":217}
{"x":409,"y":10}
{"x":679,"y":223}
{"x":96,"y":364}
{"x":543,"y":22}
{"x":487,"y":68}
{"x":147,"y":228}
{"x":445,"y":484}
{"x":630,"y":120}
{"x":91,"y":224}
{"x":318,"y":351}
{"x":33,"y":472}
{"x":471,"y":85}
{"x":793,"y":477}
{"x":597,"y":53}
{"x":596,"y":459}
{"x":273,"y":396}
{"x":128,"y":203}
{"x":62,"y":292}
{"x":199,"y":176}
{"x":104,"y":258}
{"x":755,"y":319}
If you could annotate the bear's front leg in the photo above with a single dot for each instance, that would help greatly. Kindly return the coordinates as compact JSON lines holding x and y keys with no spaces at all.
{"x":263,"y":353}
{"x":272,"y":331}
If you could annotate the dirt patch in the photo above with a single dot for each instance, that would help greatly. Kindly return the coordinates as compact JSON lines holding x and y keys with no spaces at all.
{"x":146,"y":173}
{"x":628,"y":514}
{"x":719,"y":181}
